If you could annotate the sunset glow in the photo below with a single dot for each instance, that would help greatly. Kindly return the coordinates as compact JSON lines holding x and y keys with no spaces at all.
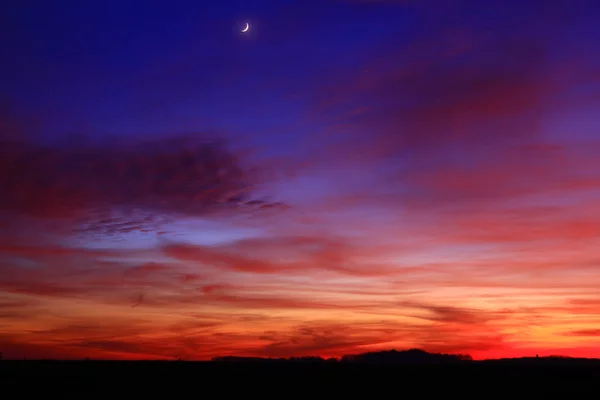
{"x":353,"y":176}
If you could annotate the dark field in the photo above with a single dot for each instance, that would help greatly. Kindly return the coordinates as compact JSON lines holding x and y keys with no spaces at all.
{"x":197,"y":379}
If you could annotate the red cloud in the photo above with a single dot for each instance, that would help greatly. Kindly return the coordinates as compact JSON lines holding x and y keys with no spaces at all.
{"x":301,"y":255}
{"x":189,"y":334}
{"x":206,"y":340}
{"x":586,"y":332}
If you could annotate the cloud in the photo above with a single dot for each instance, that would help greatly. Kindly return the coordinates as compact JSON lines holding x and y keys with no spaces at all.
{"x":67,"y":272}
{"x":260,"y":319}
{"x":441,"y":124}
{"x":286,"y":255}
{"x":121,"y":187}
{"x":310,"y":340}
{"x":335,"y":339}
{"x":451,"y":314}
{"x":586,"y":332}
{"x":81,"y":340}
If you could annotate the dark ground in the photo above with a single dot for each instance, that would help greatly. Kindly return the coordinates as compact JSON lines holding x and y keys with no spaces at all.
{"x":200,"y":379}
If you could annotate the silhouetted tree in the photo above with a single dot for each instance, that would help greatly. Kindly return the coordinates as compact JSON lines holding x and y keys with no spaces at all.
{"x":412,"y":356}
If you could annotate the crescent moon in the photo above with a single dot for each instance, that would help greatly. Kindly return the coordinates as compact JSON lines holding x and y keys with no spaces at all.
{"x":246,"y":28}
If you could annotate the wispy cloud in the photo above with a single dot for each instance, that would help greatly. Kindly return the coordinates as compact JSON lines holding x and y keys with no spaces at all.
{"x":122,"y":187}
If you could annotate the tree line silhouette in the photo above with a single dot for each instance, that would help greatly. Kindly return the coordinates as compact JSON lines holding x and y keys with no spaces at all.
{"x":388,"y":357}
{"x":411,"y":357}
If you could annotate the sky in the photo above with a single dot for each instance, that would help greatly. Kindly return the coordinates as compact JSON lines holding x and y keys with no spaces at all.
{"x":346,"y":176}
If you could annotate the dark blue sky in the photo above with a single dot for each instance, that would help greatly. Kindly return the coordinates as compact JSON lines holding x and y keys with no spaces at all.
{"x":119,"y":68}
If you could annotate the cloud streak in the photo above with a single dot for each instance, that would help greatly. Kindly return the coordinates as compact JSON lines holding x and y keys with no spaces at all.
{"x":126,"y":186}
